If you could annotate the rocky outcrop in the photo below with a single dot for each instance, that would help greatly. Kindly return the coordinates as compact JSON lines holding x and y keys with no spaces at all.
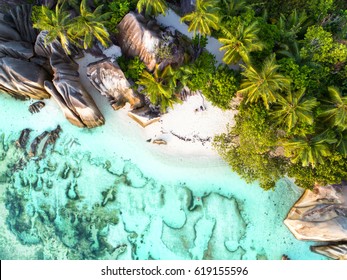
{"x":27,"y":65}
{"x":109,"y":80}
{"x":337,"y":251}
{"x":17,"y":49}
{"x":78,"y":107}
{"x":22,"y":79}
{"x":187,"y":6}
{"x":321,"y":215}
{"x":20,"y":16}
{"x":136,"y":39}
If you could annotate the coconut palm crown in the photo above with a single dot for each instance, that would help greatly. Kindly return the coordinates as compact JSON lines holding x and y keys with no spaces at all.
{"x":204,"y":18}
{"x":263,"y":84}
{"x":238,"y":43}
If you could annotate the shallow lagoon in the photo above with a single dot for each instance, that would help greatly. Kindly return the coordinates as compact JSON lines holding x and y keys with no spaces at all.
{"x":105,"y":194}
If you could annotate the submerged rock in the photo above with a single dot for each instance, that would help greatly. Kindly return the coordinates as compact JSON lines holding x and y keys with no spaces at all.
{"x":320,"y":215}
{"x":107,"y":77}
{"x":337,"y":251}
{"x":136,"y":39}
{"x":36,"y":107}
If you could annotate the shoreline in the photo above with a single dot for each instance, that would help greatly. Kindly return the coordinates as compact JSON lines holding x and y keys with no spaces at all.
{"x":182,"y":121}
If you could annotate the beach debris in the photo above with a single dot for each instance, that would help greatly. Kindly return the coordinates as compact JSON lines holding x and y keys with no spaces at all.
{"x":192,"y":139}
{"x":36,"y":107}
{"x":159,"y":142}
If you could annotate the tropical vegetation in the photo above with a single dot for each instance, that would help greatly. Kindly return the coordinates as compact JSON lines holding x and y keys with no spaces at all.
{"x":285,"y":60}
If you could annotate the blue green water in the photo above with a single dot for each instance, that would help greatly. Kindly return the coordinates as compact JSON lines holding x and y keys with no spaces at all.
{"x":105,"y":194}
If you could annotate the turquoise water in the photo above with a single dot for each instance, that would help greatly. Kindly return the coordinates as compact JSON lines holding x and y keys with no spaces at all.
{"x":105,"y":194}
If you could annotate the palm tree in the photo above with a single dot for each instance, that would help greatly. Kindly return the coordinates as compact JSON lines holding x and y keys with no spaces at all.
{"x":231,"y":8}
{"x":203,"y":18}
{"x":292,"y":108}
{"x":56,"y":22}
{"x":263,"y":84}
{"x":341,"y":144}
{"x":152,"y":7}
{"x":240,"y":42}
{"x":290,"y":27}
{"x":160,"y":87}
{"x":88,"y":25}
{"x":310,"y":150}
{"x":336,"y":110}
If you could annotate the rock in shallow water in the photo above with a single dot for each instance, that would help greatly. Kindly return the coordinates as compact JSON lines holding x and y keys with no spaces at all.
{"x":320,"y":215}
{"x":109,"y":80}
{"x":337,"y":251}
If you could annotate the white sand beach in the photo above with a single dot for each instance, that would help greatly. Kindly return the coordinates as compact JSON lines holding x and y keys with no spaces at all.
{"x":196,"y":120}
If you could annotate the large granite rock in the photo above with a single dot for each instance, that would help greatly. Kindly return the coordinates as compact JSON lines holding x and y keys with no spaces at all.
{"x":8,"y":32}
{"x":16,"y":49}
{"x":135,"y":38}
{"x":109,"y":80}
{"x":21,"y":18}
{"x":78,"y":106}
{"x":320,"y":214}
{"x":334,"y":251}
{"x":22,"y":79}
{"x":187,"y":6}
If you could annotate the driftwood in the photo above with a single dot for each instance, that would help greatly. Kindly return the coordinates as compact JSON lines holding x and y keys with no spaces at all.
{"x":193,"y":139}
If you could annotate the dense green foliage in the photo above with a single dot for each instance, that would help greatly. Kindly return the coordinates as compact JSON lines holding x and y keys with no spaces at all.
{"x":293,"y":116}
{"x":152,"y":7}
{"x":161,"y":87}
{"x":80,"y":30}
{"x":221,"y":87}
{"x":290,"y":60}
{"x":132,"y":68}
{"x":57,"y":22}
{"x":204,"y":18}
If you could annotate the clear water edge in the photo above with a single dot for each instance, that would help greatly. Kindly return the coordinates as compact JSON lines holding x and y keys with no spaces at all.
{"x":154,"y":197}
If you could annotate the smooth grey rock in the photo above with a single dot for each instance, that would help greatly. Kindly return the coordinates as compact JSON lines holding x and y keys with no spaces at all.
{"x":22,"y":79}
{"x":72,"y":95}
{"x":135,"y":39}
{"x":17,"y":49}
{"x":21,"y":16}
{"x":334,"y":251}
{"x":40,"y":47}
{"x":49,"y":3}
{"x":107,"y":77}
{"x":187,"y":6}
{"x":320,"y":215}
{"x":8,"y":33}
